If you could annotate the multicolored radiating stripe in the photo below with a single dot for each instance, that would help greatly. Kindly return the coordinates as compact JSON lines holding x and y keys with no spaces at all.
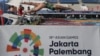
{"x":27,"y":35}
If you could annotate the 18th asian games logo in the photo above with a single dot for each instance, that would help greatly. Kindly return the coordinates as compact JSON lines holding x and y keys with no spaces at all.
{"x":27,"y":36}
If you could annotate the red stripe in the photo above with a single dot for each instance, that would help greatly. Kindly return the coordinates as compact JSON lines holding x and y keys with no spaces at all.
{"x":2,"y":21}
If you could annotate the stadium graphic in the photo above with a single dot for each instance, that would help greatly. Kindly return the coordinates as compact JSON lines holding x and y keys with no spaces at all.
{"x":26,"y":36}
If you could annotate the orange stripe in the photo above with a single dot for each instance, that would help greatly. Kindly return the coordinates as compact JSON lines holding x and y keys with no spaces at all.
{"x":9,"y":48}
